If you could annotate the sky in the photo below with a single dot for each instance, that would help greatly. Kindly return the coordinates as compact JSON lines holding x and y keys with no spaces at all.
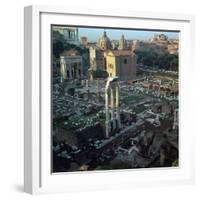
{"x":93,"y":34}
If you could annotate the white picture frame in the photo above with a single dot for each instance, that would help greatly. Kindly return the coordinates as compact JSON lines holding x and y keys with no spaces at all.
{"x":37,"y":135}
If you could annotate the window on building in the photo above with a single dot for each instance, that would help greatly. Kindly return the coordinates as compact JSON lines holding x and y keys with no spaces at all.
{"x":79,"y":72}
{"x":125,"y":61}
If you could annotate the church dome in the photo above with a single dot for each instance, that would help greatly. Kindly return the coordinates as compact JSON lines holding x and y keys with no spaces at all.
{"x":104,"y":42}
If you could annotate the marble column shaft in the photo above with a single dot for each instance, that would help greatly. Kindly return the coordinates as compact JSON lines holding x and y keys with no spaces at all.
{"x":117,"y":107}
{"x":107,"y":114}
{"x":70,"y":71}
{"x":113,"y":108}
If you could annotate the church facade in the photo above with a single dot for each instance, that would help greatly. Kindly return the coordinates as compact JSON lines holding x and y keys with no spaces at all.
{"x":121,"y":63}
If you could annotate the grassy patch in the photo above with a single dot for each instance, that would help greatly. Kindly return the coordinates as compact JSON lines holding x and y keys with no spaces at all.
{"x":131,"y":98}
{"x":140,"y":109}
{"x":76,"y":122}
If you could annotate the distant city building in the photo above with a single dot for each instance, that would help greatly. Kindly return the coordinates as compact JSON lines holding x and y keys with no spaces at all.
{"x":84,"y":41}
{"x":115,"y":44}
{"x":71,"y":65}
{"x":122,"y":43}
{"x":148,"y":46}
{"x":98,"y":52}
{"x":121,"y":63}
{"x":159,"y":44}
{"x":97,"y":58}
{"x":161,"y":38}
{"x":173,"y":47}
{"x":129,"y":44}
{"x":135,"y":45}
{"x":104,"y":42}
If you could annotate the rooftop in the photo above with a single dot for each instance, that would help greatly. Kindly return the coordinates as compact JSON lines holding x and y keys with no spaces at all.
{"x":71,"y":52}
{"x":121,"y":53}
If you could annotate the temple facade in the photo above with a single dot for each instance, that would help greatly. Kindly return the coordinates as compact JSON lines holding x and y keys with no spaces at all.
{"x":70,"y":34}
{"x":71,"y":66}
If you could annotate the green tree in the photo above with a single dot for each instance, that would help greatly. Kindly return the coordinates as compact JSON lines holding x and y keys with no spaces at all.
{"x":58,"y":48}
{"x":162,"y":61}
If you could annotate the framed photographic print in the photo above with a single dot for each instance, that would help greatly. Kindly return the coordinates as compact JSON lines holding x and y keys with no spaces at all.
{"x":107,"y":99}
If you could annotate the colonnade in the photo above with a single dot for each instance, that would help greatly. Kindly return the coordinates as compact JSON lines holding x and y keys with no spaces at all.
{"x":71,"y":70}
{"x":112,"y":106}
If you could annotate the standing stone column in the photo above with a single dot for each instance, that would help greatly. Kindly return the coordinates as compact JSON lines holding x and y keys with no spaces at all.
{"x":87,"y":84}
{"x":112,"y":105}
{"x":82,"y":82}
{"x":77,"y":71}
{"x":107,"y":114}
{"x":112,"y":108}
{"x":70,"y":71}
{"x":117,"y":107}
{"x":63,"y":70}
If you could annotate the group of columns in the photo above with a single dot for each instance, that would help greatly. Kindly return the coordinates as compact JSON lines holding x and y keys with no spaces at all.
{"x":112,"y":108}
{"x":69,"y":72}
{"x":71,"y":34}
